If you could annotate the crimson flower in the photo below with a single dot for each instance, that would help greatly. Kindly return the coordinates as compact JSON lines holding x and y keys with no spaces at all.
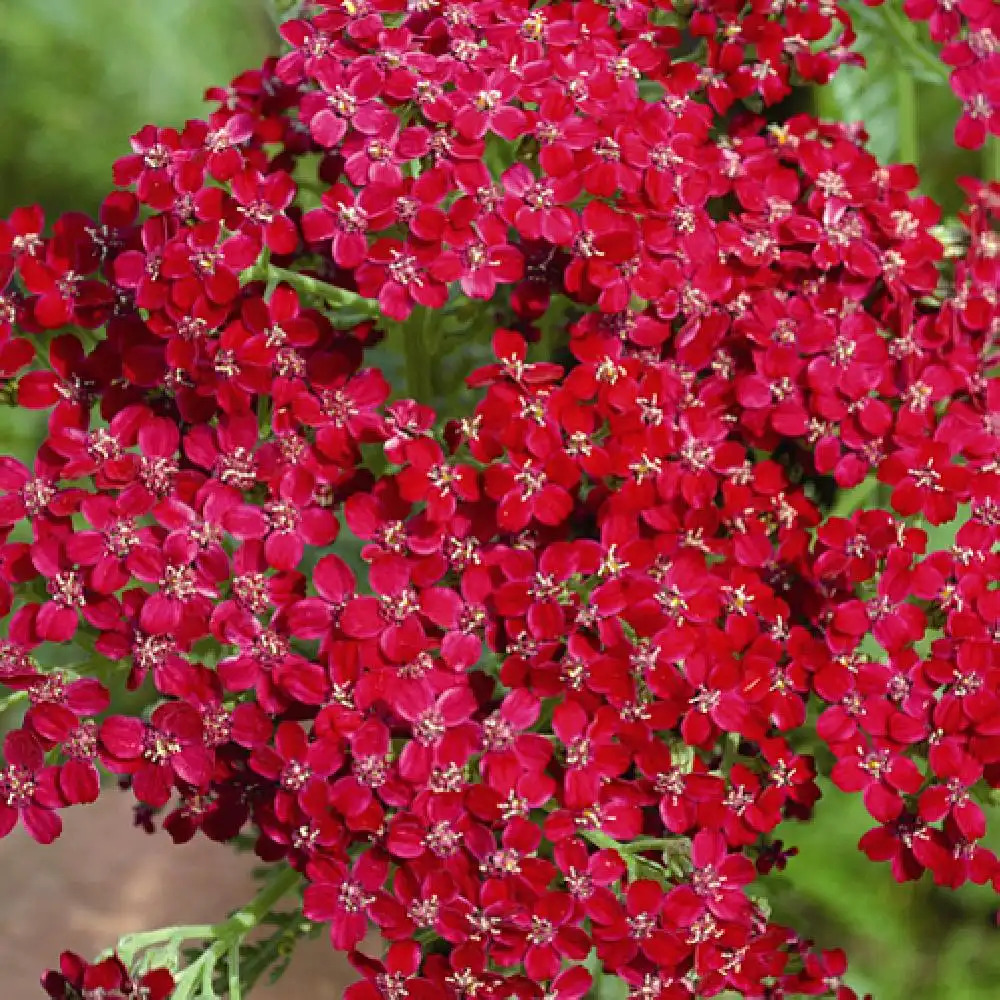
{"x":341,"y":894}
{"x":109,"y":977}
{"x":29,"y":790}
{"x":169,"y":748}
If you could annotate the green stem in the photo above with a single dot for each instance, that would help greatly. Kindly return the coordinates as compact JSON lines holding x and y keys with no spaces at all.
{"x":825,"y":103}
{"x":162,"y":938}
{"x":14,"y":698}
{"x":991,"y":159}
{"x":284,"y":10}
{"x":650,"y":844}
{"x":226,"y":937}
{"x":264,"y":415}
{"x":905,"y":32}
{"x":906,"y":107}
{"x":417,"y":357}
{"x":635,"y":866}
{"x":235,"y":985}
{"x":338,"y":298}
{"x":245,"y":919}
{"x":848,"y":501}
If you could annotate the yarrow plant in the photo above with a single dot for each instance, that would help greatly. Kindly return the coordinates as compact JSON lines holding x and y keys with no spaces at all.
{"x":512,"y":462}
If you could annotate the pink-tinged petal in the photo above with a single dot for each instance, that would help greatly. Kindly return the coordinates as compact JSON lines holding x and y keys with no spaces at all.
{"x":389,"y":575}
{"x":546,"y":621}
{"x":245,"y":521}
{"x":405,"y":838}
{"x":56,"y":624}
{"x":573,"y":984}
{"x":401,"y":643}
{"x":123,"y":736}
{"x":251,"y":725}
{"x":304,"y":681}
{"x":159,"y":438}
{"x":43,"y":824}
{"x":13,"y":474}
{"x":321,"y":902}
{"x":882,"y":803}
{"x":194,"y":765}
{"x":8,"y":819}
{"x":79,"y":782}
{"x":21,"y":749}
{"x":333,"y":579}
{"x":362,"y":618}
{"x":513,"y":513}
{"x":309,"y":619}
{"x":327,"y":128}
{"x":318,"y":527}
{"x":238,"y":674}
{"x":349,"y":249}
{"x":682,"y":907}
{"x":12,"y":509}
{"x":708,"y":848}
{"x":442,"y":606}
{"x":160,"y":615}
{"x":281,"y":236}
{"x":47,"y":792}
{"x":905,"y":776}
{"x":644,"y":896}
{"x":542,"y":963}
{"x":85,"y":547}
{"x":284,"y":551}
{"x":108,"y":576}
{"x":362,"y":514}
{"x":603,"y":908}
{"x":461,"y":651}
{"x":290,"y":741}
{"x":153,"y":784}
{"x":318,"y":225}
{"x":970,"y":820}
{"x":347,"y":930}
{"x":52,"y":722}
{"x":553,"y":505}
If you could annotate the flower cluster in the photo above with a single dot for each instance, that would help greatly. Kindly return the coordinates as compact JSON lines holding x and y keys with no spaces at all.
{"x":528,"y":689}
{"x":105,"y":980}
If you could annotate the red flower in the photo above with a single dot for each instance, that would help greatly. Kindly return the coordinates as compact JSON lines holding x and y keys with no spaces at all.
{"x":480,"y":262}
{"x":551,"y":936}
{"x":261,"y":201}
{"x":537,"y":207}
{"x":484,"y":105}
{"x":716,"y":884}
{"x":29,"y":790}
{"x":170,"y":748}
{"x":344,"y":219}
{"x":397,"y":973}
{"x":110,"y":977}
{"x":622,"y":932}
{"x":341,"y":895}
{"x":379,"y":147}
{"x":399,"y":276}
{"x":925,"y":480}
{"x":294,"y":762}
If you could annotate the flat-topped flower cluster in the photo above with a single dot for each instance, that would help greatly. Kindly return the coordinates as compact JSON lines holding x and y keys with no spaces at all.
{"x":545,"y":725}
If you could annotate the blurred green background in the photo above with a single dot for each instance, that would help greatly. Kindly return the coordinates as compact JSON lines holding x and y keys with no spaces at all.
{"x":77,"y":77}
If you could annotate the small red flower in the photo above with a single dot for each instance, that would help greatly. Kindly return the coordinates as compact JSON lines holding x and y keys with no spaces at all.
{"x":29,"y":790}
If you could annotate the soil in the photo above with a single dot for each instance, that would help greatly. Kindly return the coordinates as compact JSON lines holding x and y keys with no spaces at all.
{"x":104,"y":878}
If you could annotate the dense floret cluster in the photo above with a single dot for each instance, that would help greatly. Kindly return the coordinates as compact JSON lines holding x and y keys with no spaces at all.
{"x":523,"y":676}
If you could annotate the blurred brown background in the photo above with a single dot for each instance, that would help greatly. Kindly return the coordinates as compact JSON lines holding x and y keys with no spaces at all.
{"x":105,"y":878}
